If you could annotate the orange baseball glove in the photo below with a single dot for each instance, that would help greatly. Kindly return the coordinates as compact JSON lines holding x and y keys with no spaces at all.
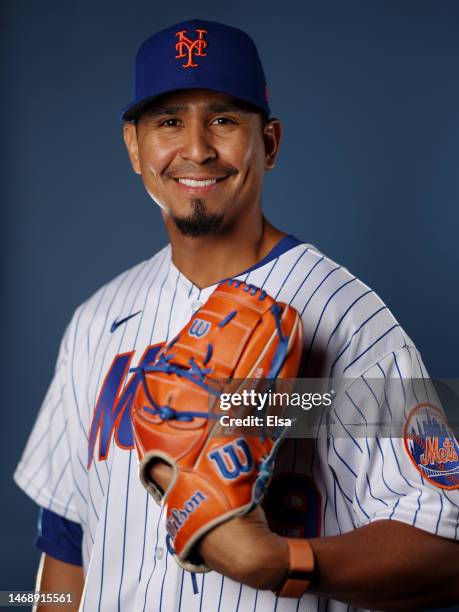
{"x":239,"y":336}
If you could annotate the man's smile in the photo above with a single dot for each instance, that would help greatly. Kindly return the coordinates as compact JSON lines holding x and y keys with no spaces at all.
{"x":202,"y":184}
{"x":197,"y":183}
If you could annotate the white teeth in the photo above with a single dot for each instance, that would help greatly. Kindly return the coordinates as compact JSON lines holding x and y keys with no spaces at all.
{"x":193,"y":183}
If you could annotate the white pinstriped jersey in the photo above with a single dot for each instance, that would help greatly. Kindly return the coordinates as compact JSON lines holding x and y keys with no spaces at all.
{"x":335,"y":484}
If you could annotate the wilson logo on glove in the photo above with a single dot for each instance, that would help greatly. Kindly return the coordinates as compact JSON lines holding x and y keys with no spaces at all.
{"x":199,"y":328}
{"x":228,"y":462}
{"x":179,"y":516}
{"x":176,"y":416}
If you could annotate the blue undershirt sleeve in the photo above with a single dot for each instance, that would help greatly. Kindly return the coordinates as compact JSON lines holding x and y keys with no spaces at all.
{"x":59,"y":537}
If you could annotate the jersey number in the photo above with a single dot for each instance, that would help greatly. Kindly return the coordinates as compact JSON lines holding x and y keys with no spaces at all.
{"x":293,"y":506}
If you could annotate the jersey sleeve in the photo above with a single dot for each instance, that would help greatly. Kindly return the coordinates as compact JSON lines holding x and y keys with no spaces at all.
{"x":391,"y":449}
{"x":45,"y":470}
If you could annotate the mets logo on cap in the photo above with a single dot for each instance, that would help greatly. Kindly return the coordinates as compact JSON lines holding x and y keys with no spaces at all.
{"x":432,"y":446}
{"x":186,"y":47}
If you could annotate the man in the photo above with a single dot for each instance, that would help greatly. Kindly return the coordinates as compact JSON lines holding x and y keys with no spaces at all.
{"x":383,"y":533}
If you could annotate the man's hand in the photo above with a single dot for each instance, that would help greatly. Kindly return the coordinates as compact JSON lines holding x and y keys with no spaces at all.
{"x":247,"y":551}
{"x":242,"y":548}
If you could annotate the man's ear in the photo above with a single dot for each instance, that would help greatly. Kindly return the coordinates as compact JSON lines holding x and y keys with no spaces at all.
{"x":272,"y":133}
{"x":132,"y":146}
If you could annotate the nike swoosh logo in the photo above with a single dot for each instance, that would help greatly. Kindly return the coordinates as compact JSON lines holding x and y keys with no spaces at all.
{"x":117,"y":322}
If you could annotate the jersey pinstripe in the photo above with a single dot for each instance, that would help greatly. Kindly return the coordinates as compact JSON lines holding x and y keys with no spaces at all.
{"x":347,"y":480}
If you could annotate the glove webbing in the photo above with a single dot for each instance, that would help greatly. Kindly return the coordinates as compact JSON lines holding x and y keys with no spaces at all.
{"x":196,"y":373}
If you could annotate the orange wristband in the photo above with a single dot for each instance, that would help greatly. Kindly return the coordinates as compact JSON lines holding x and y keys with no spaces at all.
{"x":298,"y":578}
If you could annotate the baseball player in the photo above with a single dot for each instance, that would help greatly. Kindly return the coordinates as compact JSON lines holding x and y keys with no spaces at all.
{"x":377,"y":515}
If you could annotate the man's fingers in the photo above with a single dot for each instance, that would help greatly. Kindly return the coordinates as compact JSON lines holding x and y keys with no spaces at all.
{"x":161,"y":473}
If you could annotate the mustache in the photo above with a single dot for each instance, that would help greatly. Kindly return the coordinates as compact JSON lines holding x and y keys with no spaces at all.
{"x":215,"y":170}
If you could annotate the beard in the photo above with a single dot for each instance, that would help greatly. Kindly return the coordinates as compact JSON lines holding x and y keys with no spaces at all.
{"x":199,"y":222}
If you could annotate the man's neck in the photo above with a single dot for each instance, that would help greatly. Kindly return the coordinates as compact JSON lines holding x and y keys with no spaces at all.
{"x":209,"y":259}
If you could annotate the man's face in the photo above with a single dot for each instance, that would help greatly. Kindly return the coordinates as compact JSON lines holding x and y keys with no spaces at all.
{"x":202,"y":158}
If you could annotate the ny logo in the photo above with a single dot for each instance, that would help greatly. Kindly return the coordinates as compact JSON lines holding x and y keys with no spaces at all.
{"x":187,"y":47}
{"x":199,"y":328}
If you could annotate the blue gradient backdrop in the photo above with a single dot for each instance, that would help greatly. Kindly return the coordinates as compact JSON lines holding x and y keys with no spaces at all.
{"x":369,"y":96}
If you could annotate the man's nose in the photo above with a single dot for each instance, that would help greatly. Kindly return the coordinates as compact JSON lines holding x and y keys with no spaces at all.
{"x":197,"y":144}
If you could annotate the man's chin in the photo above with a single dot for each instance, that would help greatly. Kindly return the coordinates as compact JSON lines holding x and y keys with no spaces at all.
{"x":200,"y":222}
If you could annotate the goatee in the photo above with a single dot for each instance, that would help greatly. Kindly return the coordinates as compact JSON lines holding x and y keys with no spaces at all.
{"x":200,"y":222}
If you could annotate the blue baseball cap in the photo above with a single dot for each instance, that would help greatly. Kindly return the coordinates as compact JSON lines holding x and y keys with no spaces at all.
{"x":198,"y":54}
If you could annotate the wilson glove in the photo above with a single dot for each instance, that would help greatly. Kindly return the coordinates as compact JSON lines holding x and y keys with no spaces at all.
{"x":239,"y":338}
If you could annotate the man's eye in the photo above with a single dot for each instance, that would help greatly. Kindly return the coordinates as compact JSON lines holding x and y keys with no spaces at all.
{"x":170,"y":122}
{"x":223,"y":121}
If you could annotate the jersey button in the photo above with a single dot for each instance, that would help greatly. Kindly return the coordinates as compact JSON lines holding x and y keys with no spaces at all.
{"x":159,"y":553}
{"x":196,"y":305}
